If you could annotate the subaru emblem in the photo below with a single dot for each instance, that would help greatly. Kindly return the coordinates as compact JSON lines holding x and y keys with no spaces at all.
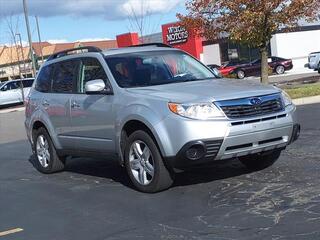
{"x":255,"y":101}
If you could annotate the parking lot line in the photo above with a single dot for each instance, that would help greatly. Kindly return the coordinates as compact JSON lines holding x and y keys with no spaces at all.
{"x":11,"y":231}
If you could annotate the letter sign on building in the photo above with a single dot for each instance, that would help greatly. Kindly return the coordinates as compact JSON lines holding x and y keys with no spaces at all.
{"x":177,"y":34}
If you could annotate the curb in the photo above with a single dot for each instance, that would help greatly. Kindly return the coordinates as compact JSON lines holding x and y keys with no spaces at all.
{"x":306,"y":100}
{"x":19,"y":109}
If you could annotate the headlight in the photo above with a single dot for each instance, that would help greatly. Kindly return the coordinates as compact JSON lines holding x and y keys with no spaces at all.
{"x":201,"y":111}
{"x":286,"y":98}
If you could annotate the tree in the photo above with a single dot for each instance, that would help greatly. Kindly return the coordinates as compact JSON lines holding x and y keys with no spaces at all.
{"x":251,"y":22}
{"x":13,"y":29}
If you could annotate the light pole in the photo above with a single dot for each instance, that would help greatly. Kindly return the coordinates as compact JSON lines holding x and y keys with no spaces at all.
{"x":22,"y":53}
{"x":25,"y":9}
{"x":38,"y":29}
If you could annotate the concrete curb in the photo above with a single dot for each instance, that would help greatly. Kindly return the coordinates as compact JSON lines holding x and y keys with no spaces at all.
{"x":306,"y":100}
{"x":19,"y":109}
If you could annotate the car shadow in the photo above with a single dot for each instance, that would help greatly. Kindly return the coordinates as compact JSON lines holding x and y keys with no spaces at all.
{"x":218,"y":170}
{"x":110,"y":169}
{"x":95,"y":167}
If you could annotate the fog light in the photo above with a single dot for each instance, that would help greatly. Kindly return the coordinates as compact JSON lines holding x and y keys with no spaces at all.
{"x":195,"y":152}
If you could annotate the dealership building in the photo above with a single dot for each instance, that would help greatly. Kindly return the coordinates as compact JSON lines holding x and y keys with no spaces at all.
{"x":15,"y":62}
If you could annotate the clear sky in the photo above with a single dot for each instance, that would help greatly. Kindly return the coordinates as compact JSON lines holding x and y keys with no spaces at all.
{"x":72,"y":20}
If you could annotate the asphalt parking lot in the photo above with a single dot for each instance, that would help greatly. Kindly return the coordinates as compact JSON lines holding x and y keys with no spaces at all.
{"x":93,"y":198}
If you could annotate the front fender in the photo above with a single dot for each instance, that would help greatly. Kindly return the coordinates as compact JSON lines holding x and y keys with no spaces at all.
{"x":144,"y":114}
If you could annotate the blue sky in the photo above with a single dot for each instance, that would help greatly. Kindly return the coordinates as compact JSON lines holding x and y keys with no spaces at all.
{"x":72,"y":20}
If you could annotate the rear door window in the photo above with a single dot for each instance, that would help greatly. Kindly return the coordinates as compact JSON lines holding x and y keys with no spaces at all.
{"x":43,"y":82}
{"x":64,"y":77}
{"x":27,"y":83}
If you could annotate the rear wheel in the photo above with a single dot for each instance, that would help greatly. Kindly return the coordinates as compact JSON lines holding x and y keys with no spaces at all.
{"x":144,"y":164}
{"x":47,"y":159}
{"x":260,"y":161}
{"x":319,"y":67}
{"x":280,"y":69}
{"x":241,"y":74}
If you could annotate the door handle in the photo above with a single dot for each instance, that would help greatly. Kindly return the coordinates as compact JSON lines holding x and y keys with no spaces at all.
{"x":75,"y":105}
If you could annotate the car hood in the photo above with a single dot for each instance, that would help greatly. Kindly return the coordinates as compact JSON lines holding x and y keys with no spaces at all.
{"x":207,"y":90}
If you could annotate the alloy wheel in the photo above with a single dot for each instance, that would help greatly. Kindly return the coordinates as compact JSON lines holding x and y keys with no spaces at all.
{"x":43,"y":153}
{"x":141,"y":162}
{"x":280,"y":70}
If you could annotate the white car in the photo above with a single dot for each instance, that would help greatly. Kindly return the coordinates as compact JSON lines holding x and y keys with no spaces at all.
{"x":10,"y":91}
{"x":314,"y":61}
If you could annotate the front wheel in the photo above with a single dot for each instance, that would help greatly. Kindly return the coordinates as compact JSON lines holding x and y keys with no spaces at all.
{"x":280,"y":69}
{"x":319,"y":67}
{"x":260,"y":161}
{"x":241,"y":74}
{"x":144,"y":164}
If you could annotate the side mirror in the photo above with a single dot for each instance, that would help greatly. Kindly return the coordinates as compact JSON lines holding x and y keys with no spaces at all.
{"x":4,"y":89}
{"x":97,"y":87}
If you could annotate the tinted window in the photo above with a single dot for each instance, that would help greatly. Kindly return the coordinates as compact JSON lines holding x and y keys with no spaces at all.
{"x":65,"y":74}
{"x":27,"y":83}
{"x":43,"y":83}
{"x":10,"y":86}
{"x":91,"y":69}
{"x":156,"y":67}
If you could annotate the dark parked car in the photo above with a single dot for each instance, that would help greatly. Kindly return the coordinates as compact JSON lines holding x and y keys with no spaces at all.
{"x":277,"y":65}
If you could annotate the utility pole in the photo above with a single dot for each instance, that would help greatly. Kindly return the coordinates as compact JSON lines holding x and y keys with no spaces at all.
{"x":38,"y":29}
{"x":22,"y":53}
{"x":25,"y":9}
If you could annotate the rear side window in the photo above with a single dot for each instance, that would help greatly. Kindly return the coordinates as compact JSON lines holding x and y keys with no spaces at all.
{"x":65,"y":76}
{"x":43,"y":83}
{"x":27,"y":83}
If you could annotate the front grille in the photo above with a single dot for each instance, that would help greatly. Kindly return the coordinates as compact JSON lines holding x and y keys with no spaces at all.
{"x":241,"y":108}
{"x":212,"y":147}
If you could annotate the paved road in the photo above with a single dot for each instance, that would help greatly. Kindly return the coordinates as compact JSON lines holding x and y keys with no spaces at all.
{"x":93,"y":199}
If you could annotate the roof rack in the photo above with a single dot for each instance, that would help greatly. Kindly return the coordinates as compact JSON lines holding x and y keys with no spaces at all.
{"x":65,"y":52}
{"x":152,"y":44}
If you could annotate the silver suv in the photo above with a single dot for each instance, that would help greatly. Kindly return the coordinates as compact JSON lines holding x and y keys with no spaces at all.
{"x":156,"y":109}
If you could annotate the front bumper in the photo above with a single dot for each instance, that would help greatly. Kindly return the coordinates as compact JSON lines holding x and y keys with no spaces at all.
{"x":229,"y":138}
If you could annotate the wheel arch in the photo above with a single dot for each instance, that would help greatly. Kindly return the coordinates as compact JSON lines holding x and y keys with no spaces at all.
{"x":132,"y":125}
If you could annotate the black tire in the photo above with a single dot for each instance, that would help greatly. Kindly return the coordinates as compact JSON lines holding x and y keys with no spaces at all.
{"x":56,"y":163}
{"x":319,"y":67}
{"x":240,"y":74}
{"x":162,"y":178}
{"x":280,"y":69}
{"x":260,"y":161}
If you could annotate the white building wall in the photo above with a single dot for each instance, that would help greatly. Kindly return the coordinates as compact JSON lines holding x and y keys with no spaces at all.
{"x":211,"y":54}
{"x":296,"y":45}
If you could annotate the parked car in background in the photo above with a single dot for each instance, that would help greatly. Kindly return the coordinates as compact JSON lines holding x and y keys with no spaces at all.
{"x":277,"y":65}
{"x":314,"y":61}
{"x":224,"y":69}
{"x":154,"y":108}
{"x":10,"y":91}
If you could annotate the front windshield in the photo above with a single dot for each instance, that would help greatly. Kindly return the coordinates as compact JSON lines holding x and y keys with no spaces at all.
{"x":156,"y":68}
{"x":1,"y":84}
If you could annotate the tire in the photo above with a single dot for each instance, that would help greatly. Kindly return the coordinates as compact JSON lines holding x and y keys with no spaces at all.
{"x":280,"y":69}
{"x":319,"y":67}
{"x":240,"y":74}
{"x":138,"y":162}
{"x":260,"y":161}
{"x":47,"y":159}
